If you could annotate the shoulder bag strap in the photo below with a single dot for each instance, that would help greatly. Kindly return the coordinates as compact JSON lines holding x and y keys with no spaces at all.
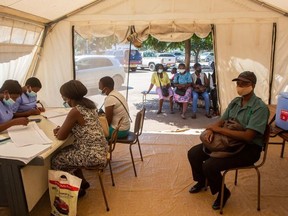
{"x":123,"y":106}
{"x":159,"y":80}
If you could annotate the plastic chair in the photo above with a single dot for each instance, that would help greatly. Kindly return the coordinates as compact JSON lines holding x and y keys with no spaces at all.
{"x":255,"y":166}
{"x":133,"y":137}
{"x":112,"y":142}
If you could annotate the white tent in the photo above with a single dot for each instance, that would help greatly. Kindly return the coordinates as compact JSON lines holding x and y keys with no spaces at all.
{"x":248,"y":34}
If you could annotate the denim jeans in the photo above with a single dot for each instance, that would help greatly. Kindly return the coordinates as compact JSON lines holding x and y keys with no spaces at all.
{"x":195,"y":96}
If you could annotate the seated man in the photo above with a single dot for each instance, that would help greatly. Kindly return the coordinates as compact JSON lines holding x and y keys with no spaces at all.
{"x":252,"y":113}
{"x":200,"y":83}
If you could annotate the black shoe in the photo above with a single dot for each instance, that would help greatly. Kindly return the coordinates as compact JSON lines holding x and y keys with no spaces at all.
{"x":197,"y":187}
{"x":216,"y":204}
{"x":85,"y":185}
{"x":81,"y":193}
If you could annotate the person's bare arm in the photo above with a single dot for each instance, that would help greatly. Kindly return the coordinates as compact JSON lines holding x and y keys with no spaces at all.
{"x":73,"y":117}
{"x":109,"y":114}
{"x":12,"y":122}
{"x":35,"y":111}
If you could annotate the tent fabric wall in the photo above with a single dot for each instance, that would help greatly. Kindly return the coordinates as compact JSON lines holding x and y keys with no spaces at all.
{"x":116,"y":15}
{"x":280,"y":78}
{"x":18,"y":42}
{"x":242,"y":47}
{"x":56,"y":66}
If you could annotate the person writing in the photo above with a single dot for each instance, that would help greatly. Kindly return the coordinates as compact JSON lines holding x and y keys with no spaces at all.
{"x":26,"y":104}
{"x":116,"y":107}
{"x":9,"y":92}
{"x":90,"y":146}
{"x":252,"y":113}
{"x":161,"y":80}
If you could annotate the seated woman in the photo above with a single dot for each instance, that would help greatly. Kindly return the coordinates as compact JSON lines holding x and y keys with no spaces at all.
{"x":116,"y":107}
{"x":90,"y":146}
{"x":26,"y":104}
{"x":160,"y":79}
{"x":9,"y":92}
{"x":182,"y":82}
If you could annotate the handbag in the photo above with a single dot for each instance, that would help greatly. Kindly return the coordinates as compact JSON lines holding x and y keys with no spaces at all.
{"x":104,"y":123}
{"x":63,"y":192}
{"x":180,"y":92}
{"x":223,"y":146}
{"x":164,"y":90}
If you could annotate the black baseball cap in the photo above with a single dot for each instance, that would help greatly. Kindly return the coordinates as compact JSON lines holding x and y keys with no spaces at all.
{"x":246,"y":76}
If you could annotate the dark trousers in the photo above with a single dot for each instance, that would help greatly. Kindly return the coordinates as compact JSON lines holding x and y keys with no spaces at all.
{"x":213,"y":95}
{"x":203,"y":166}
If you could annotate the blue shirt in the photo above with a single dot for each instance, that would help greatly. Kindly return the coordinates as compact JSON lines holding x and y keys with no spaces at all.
{"x":24,"y":103}
{"x":6,"y":113}
{"x":183,"y":78}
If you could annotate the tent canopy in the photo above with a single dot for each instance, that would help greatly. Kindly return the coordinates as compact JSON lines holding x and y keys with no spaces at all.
{"x":248,"y":35}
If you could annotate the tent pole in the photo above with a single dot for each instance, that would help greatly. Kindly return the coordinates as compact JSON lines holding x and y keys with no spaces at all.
{"x":38,"y":54}
{"x":273,"y":47}
{"x":128,"y":70}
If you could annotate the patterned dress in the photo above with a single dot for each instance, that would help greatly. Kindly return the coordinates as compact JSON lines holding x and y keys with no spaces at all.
{"x":89,"y":147}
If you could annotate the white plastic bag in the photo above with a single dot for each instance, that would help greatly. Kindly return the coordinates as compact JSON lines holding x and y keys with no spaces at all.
{"x":63,"y":191}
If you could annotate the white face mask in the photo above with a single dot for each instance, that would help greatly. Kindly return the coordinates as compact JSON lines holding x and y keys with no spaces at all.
{"x":242,"y":91}
{"x":160,"y":70}
{"x":31,"y":94}
{"x":8,"y":102}
{"x":66,"y":105}
{"x":181,"y":71}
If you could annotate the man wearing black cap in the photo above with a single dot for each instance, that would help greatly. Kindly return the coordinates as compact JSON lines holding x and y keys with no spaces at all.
{"x":252,"y":113}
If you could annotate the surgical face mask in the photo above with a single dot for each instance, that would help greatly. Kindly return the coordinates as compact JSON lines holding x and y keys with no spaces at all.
{"x":66,"y":105}
{"x":160,"y":70}
{"x":31,"y":94}
{"x":181,"y":71}
{"x":8,"y":102}
{"x":103,"y":91}
{"x":242,"y":91}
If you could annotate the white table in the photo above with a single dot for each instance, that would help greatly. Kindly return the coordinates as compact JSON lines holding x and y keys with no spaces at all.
{"x":24,"y":184}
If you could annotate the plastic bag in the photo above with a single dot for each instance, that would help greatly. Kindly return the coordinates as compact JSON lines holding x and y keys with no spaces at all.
{"x":63,"y":192}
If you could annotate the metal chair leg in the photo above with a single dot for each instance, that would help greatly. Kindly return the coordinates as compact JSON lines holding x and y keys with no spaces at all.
{"x":111,"y":173}
{"x":103,"y":191}
{"x":138,"y":142}
{"x":222,"y":192}
{"x":282,"y":149}
{"x":130,"y":148}
{"x":259,"y":187}
{"x":236,"y":177}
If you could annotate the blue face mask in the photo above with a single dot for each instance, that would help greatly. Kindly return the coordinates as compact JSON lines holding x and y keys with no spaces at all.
{"x":31,"y":94}
{"x":8,"y":102}
{"x":66,"y":105}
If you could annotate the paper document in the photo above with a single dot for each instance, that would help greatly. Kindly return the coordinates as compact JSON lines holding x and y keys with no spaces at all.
{"x":28,"y":135}
{"x":57,"y":115}
{"x":51,"y":113}
{"x":25,"y":154}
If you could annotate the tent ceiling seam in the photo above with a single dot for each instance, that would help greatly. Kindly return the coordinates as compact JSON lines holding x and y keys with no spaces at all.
{"x":74,"y":12}
{"x":278,"y":10}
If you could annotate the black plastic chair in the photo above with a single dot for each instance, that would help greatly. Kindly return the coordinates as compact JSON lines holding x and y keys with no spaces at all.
{"x":112,"y":142}
{"x":255,"y":166}
{"x":133,"y":137}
